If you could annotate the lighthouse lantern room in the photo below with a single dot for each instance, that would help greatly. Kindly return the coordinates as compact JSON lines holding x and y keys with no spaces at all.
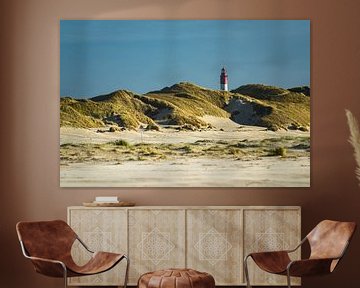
{"x":224,"y":80}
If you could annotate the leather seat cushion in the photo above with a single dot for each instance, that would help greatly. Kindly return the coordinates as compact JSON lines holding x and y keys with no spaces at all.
{"x":176,"y":278}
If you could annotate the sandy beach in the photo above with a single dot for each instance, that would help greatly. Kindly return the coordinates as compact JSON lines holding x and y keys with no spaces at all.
{"x":190,"y":173}
{"x":229,"y":155}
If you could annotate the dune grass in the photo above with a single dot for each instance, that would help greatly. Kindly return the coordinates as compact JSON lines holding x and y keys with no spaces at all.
{"x":120,"y":107}
{"x":184,"y":103}
{"x":120,"y":150}
{"x":277,"y":108}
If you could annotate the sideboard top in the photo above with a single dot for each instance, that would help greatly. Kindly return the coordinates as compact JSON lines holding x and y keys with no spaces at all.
{"x":192,"y":207}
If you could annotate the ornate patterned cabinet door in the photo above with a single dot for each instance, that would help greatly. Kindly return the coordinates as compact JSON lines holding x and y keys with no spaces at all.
{"x":101,"y":230}
{"x":214,"y":243}
{"x":156,"y":240}
{"x":271,"y":229}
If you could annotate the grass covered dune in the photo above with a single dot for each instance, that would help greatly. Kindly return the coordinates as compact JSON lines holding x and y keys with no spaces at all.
{"x":186,"y":104}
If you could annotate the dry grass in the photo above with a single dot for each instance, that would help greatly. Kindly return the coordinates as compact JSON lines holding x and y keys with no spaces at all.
{"x":119,"y":108}
{"x":120,"y":150}
{"x":276,"y":107}
{"x":354,"y":139}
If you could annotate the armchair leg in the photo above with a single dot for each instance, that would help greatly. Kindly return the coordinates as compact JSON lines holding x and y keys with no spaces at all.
{"x":288,"y":278}
{"x":127,"y":271}
{"x":65,"y":276}
{"x":246,"y":270}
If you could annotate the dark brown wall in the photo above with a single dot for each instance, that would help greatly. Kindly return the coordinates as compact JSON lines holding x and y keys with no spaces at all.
{"x":29,"y":112}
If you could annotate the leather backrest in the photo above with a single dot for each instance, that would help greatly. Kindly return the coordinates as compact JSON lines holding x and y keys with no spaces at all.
{"x":329,"y":238}
{"x":46,"y":239}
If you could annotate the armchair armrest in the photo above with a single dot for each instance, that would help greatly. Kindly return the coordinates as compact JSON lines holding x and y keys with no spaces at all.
{"x":309,"y":267}
{"x":271,"y":261}
{"x":298,"y":246}
{"x":279,"y":252}
{"x":49,"y":267}
{"x":312,"y":266}
{"x":83,"y":244}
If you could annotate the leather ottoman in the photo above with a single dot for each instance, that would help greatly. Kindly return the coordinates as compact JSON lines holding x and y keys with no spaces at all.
{"x":176,"y":278}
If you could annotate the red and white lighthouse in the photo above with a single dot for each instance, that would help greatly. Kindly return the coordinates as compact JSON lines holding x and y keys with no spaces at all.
{"x":224,"y":80}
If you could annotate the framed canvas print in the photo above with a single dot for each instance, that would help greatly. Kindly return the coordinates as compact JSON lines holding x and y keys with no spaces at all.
{"x":185,"y":103}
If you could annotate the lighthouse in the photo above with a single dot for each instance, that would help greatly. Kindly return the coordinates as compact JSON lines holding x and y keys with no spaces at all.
{"x":224,"y":80}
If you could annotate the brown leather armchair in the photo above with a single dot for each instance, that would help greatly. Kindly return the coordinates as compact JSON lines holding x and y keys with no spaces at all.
{"x":48,"y":245}
{"x":328,"y":242}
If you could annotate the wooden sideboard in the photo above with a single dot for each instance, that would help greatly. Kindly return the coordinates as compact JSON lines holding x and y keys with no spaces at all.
{"x":212,"y":239}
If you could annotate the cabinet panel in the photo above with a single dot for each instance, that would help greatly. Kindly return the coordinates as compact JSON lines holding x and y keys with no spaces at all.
{"x":156,"y":240}
{"x":101,"y":230}
{"x":214,"y":244}
{"x":269,"y":230}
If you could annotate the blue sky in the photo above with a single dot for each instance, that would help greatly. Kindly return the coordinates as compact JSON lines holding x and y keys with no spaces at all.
{"x":101,"y":56}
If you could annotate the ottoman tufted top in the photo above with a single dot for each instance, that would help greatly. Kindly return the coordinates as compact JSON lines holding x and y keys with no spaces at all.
{"x":176,"y":278}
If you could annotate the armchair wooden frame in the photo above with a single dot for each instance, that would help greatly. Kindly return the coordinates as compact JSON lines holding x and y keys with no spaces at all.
{"x":59,"y":267}
{"x":320,"y":261}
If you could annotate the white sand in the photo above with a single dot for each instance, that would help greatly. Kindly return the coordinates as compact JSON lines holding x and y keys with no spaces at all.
{"x":192,"y":172}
